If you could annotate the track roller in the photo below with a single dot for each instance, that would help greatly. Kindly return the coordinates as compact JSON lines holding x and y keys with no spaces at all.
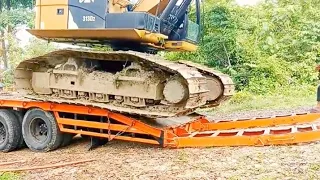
{"x":10,"y":131}
{"x":40,"y":131}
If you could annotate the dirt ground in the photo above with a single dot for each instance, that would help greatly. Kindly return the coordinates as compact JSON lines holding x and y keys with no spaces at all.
{"x":123,"y":160}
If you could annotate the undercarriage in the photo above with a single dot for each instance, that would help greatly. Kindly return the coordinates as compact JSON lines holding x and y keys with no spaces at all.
{"x":123,"y":81}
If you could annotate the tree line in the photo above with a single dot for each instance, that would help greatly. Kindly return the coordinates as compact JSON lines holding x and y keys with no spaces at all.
{"x":267,"y":47}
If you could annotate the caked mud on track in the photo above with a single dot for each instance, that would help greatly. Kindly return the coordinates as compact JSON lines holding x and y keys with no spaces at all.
{"x":122,"y":81}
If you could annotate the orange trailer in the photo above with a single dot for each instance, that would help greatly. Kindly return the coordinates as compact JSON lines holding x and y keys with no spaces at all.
{"x":45,"y":126}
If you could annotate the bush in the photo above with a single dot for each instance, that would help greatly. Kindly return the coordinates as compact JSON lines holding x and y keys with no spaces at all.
{"x":264,"y":48}
{"x":16,"y":54}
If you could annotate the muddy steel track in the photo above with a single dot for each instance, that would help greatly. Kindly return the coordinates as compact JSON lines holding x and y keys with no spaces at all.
{"x":194,"y":75}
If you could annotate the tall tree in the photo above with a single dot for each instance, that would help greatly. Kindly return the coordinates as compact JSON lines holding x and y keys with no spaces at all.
{"x":265,"y":48}
{"x":17,"y":4}
{"x":8,"y":4}
{"x":9,"y":20}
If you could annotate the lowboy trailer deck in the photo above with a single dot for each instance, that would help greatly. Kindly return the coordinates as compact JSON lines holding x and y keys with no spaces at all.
{"x":44,"y":126}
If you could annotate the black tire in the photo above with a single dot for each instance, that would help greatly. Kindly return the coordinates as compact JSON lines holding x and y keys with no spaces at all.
{"x":19,"y":116}
{"x":67,"y":138}
{"x":86,"y":137}
{"x":40,"y":131}
{"x":10,"y":131}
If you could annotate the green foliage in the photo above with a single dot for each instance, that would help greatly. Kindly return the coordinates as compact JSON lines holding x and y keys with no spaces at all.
{"x":17,"y":54}
{"x":286,"y":98}
{"x":265,"y":47}
{"x":9,"y":176}
{"x":16,"y":17}
{"x":36,"y":47}
{"x":13,"y":4}
{"x":102,"y":48}
{"x":12,"y":14}
{"x":22,"y":3}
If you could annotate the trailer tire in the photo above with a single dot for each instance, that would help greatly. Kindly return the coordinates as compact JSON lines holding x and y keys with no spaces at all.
{"x":40,"y":131}
{"x":10,"y":131}
{"x":19,"y":117}
{"x":84,"y":136}
{"x":67,"y":138}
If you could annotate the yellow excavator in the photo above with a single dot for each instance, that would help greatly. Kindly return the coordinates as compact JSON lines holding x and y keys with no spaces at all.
{"x":131,"y":78}
{"x":103,"y":93}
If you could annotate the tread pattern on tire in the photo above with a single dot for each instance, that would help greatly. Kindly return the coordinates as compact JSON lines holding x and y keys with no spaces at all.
{"x":19,"y":117}
{"x":11,"y":123}
{"x":55,"y":137}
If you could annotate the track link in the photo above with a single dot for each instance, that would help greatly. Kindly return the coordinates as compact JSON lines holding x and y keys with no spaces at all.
{"x":225,"y":82}
{"x":196,"y":81}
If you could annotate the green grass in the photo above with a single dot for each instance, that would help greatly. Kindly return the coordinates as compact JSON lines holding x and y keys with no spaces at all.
{"x":286,"y":98}
{"x":9,"y":176}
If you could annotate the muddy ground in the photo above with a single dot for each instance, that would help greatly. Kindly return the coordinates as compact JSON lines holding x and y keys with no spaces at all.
{"x":123,"y":160}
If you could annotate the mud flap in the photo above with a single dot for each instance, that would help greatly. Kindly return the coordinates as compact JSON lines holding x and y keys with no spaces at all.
{"x":96,"y":142}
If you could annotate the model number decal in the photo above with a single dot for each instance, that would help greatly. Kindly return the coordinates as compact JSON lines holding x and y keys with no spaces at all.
{"x":89,"y":18}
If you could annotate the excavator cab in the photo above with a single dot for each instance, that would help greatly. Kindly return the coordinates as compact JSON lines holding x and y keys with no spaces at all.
{"x":138,"y":25}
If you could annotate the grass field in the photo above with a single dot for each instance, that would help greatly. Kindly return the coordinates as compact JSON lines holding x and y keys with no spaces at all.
{"x":283,"y":99}
{"x":9,"y":176}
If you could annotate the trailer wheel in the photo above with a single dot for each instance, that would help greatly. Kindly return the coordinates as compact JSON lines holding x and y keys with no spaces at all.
{"x":10,"y":131}
{"x":67,"y":138}
{"x":40,"y":131}
{"x":19,"y":117}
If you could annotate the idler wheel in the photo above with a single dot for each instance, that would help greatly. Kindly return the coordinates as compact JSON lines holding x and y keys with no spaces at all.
{"x":176,"y":90}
